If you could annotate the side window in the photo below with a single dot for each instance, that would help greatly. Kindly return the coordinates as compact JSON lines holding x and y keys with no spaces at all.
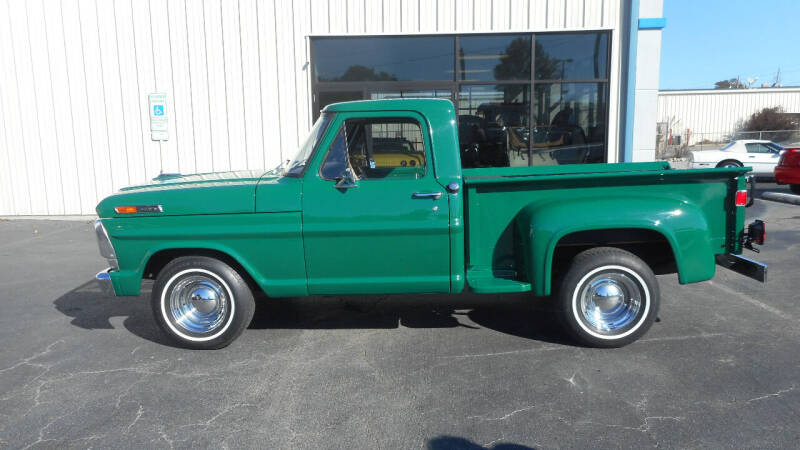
{"x":378,"y":149}
{"x":757,"y":148}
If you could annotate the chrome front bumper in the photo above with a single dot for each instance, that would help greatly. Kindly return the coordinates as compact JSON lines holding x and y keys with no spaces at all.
{"x":103,"y":279}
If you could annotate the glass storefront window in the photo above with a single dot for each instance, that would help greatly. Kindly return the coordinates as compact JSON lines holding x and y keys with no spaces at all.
{"x":569,"y":123}
{"x":571,"y":56}
{"x":488,"y":58}
{"x":494,"y":125}
{"x":326,"y":98}
{"x":507,"y":116}
{"x":395,"y":58}
{"x":427,"y":93}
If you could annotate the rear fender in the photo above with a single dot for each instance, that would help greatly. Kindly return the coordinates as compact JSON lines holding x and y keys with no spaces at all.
{"x":541,"y":226}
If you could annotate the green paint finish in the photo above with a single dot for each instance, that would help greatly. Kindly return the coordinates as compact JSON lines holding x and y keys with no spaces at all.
{"x":520,"y":218}
{"x":268,"y":246}
{"x":375,"y":238}
{"x":301,"y":235}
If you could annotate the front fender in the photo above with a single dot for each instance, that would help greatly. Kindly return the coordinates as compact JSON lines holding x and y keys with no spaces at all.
{"x":268,"y":246}
{"x":542,"y":225}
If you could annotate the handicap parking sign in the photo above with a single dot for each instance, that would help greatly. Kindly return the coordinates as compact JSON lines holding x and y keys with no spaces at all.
{"x":159,"y":124}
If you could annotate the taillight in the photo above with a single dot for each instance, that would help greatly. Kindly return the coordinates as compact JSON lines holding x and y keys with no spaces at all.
{"x":741,"y":198}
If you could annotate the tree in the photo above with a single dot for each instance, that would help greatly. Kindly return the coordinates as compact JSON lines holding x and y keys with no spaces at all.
{"x":771,"y":119}
{"x":362,"y":73}
{"x":768,"y":119}
{"x":733,"y":83}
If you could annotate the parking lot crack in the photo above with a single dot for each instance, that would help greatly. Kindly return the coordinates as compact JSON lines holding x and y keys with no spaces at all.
{"x":512,"y":352}
{"x":776,"y":394}
{"x":503,"y":417}
{"x":28,"y":360}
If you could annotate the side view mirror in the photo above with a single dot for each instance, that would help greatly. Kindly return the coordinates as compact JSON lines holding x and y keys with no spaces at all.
{"x":347,"y":180}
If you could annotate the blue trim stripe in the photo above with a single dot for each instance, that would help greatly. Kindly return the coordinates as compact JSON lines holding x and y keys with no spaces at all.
{"x":630,"y":82}
{"x":652,"y":23}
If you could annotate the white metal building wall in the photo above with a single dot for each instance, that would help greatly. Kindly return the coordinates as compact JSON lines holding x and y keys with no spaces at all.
{"x":719,"y":111}
{"x":75,"y":76}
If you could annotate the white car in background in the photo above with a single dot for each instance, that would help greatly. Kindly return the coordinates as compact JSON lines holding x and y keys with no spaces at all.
{"x":762,"y":156}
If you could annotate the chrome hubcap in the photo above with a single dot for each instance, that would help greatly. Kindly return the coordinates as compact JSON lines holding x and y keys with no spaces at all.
{"x":198,"y":304}
{"x":610,"y":302}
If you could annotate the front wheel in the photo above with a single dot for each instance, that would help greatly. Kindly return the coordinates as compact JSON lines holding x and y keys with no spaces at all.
{"x":202,"y":302}
{"x":795,"y":188}
{"x":608,"y":298}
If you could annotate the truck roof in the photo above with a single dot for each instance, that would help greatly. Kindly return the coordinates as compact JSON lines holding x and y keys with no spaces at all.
{"x":396,"y":104}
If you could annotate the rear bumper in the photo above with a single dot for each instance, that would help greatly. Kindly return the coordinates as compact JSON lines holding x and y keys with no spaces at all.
{"x":787,"y":175}
{"x":103,"y":279}
{"x":744,"y":266}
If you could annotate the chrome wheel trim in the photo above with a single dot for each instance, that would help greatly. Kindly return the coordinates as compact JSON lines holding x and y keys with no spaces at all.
{"x":730,"y":165}
{"x":198,"y":304}
{"x":624,"y":296}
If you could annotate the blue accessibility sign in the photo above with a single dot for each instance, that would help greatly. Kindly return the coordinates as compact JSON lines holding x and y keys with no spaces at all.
{"x":158,"y":110}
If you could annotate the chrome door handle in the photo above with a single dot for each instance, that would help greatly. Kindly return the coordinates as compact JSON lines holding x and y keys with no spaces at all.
{"x":433,"y":195}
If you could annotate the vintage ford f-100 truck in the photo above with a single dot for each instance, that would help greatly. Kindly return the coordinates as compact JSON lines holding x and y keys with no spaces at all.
{"x":376,"y":201}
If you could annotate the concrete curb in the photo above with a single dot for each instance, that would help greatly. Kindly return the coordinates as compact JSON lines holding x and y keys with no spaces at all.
{"x":781,"y":197}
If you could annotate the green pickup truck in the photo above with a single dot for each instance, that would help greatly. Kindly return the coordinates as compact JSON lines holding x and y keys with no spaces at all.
{"x":351,"y":214}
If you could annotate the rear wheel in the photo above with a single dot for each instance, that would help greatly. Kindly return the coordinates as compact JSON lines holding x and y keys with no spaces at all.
{"x":202,"y":302}
{"x":795,"y":188}
{"x":608,"y":298}
{"x":729,"y":163}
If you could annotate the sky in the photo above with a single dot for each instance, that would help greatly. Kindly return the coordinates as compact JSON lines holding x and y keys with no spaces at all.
{"x":706,"y":41}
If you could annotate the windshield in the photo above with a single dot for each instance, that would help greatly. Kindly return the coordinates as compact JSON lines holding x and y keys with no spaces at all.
{"x":728,"y":146}
{"x":297,"y":166}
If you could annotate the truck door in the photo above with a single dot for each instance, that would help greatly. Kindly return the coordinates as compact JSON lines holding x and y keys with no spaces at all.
{"x":375,"y":220}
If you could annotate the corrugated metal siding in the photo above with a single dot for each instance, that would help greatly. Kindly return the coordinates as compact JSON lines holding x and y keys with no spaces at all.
{"x":712,"y":114}
{"x":76,"y":75}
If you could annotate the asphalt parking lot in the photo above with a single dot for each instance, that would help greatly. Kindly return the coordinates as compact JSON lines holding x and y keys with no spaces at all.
{"x":720,"y":369}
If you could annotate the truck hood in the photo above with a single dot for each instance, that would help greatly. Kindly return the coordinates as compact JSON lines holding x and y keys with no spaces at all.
{"x":211,"y":178}
{"x":207,"y":193}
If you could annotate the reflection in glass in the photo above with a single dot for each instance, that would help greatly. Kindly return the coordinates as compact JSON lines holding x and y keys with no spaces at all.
{"x":571,"y":56}
{"x":383,"y":58}
{"x":569,"y":123}
{"x":428,"y":93}
{"x":326,"y":98}
{"x":487,"y":58}
{"x":494,"y":125}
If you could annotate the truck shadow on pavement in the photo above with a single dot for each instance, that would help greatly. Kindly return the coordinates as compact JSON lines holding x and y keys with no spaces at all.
{"x":90,"y":309}
{"x":452,"y":443}
{"x":514,"y":314}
